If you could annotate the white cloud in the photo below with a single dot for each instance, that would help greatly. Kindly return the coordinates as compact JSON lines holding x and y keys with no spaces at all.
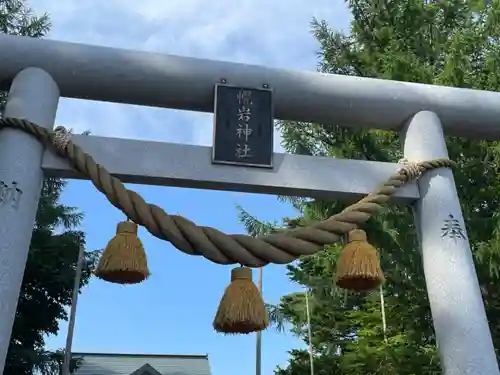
{"x":249,"y":31}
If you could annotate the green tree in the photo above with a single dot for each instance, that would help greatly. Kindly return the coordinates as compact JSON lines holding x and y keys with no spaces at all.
{"x":48,"y":283}
{"x":49,"y":276}
{"x":16,"y":18}
{"x":453,"y":43}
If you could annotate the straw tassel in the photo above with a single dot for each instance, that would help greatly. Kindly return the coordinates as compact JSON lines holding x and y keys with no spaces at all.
{"x":358,"y":267}
{"x":123,"y":261}
{"x":241,"y":309}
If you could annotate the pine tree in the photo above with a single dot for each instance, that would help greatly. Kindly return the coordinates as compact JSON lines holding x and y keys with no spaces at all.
{"x":453,"y":43}
{"x":47,"y":286}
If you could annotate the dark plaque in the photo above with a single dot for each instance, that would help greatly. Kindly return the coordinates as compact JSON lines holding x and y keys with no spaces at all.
{"x":243,"y":126}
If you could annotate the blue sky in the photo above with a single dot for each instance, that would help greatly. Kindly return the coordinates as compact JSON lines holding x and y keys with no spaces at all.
{"x":172,"y":312}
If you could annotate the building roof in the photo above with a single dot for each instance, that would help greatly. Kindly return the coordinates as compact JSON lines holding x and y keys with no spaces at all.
{"x":141,"y":364}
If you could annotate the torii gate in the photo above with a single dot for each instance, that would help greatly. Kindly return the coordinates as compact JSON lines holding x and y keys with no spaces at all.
{"x":39,"y":72}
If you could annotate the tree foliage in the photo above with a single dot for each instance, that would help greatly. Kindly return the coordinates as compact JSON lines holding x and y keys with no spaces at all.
{"x":48,"y":282}
{"x":50,"y":270}
{"x":453,"y":43}
{"x":16,"y":18}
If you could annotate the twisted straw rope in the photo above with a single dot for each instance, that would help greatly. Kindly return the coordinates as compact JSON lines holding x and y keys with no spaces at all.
{"x":279,"y":248}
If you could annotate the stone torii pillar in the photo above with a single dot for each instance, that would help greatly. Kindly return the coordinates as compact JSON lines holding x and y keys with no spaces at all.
{"x":33,"y":96}
{"x":463,"y":335}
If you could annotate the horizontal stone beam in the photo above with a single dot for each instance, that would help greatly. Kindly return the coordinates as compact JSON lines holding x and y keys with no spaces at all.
{"x":142,"y":78}
{"x":172,"y":164}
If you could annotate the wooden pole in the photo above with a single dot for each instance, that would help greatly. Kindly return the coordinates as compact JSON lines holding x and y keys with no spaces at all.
{"x":309,"y":333}
{"x":71,"y":323}
{"x":258,"y":351}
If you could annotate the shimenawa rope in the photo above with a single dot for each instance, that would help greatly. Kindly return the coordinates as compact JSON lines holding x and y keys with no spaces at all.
{"x":279,"y":248}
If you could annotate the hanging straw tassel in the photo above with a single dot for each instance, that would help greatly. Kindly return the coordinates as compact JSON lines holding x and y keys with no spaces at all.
{"x":241,"y":309}
{"x":358,"y":267}
{"x":124,"y":259}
